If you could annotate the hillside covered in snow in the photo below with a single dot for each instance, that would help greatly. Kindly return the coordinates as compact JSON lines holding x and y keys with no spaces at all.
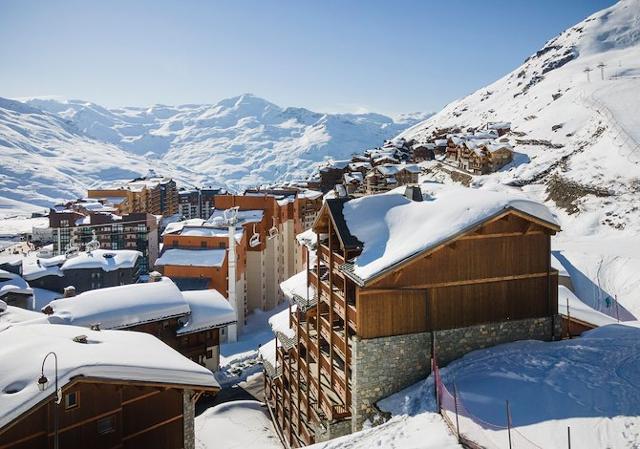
{"x":574,"y":109}
{"x":60,"y":147}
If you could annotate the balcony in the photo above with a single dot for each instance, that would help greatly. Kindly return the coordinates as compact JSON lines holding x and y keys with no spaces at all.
{"x":324,"y":255}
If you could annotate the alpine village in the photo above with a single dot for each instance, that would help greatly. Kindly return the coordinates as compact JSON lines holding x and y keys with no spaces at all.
{"x":464,"y":279}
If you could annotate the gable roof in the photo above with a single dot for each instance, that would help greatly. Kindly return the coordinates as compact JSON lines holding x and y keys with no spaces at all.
{"x":383,"y":223}
{"x":115,"y":355}
{"x":334,"y":207}
{"x":120,"y":307}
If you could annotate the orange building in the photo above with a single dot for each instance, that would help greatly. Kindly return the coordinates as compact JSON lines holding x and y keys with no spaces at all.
{"x":195,"y":252}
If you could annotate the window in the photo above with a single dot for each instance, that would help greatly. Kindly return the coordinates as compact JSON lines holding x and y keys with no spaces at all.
{"x":203,"y":244}
{"x":71,"y":400}
{"x":106,"y":425}
{"x":222,"y":245}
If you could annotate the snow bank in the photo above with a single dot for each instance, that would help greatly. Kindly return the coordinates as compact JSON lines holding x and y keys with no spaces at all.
{"x":589,"y":384}
{"x":383,"y":222}
{"x":108,"y":354}
{"x":236,"y":425}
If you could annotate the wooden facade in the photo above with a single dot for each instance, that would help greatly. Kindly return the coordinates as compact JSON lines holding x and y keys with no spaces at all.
{"x":497,"y":272}
{"x":103,"y":414}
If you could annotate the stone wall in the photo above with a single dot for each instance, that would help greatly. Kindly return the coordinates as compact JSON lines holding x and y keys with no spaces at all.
{"x":452,"y":344}
{"x":382,"y":366}
{"x":330,"y":430}
{"x":188,"y":419}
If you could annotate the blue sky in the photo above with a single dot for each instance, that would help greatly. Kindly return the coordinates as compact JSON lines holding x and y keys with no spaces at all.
{"x":330,"y":55}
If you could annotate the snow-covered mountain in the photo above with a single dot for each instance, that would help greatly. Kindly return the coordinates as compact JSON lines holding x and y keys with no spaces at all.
{"x":44,"y":158}
{"x":238,"y":142}
{"x":577,"y":138}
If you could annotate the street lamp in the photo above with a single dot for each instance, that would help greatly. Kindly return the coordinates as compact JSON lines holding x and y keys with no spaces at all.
{"x":43,"y":382}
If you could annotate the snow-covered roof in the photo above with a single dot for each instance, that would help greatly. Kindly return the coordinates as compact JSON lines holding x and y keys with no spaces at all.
{"x":309,"y":194}
{"x":339,"y":165}
{"x":279,"y":322}
{"x":297,"y":285}
{"x":116,"y":355}
{"x":267,"y":351}
{"x":353,"y":177}
{"x":354,"y":166}
{"x":307,"y":238}
{"x":579,"y":310}
{"x":11,"y":315}
{"x":11,"y":259}
{"x":383,"y":222}
{"x":197,"y":227}
{"x":11,"y":282}
{"x":120,"y":307}
{"x":107,"y":260}
{"x":192,"y":257}
{"x":40,"y":267}
{"x":209,"y":310}
{"x":244,"y":216}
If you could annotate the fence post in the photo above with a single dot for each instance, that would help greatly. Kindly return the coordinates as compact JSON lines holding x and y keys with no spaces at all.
{"x":569,"y":436}
{"x":455,"y":404}
{"x":509,"y":424}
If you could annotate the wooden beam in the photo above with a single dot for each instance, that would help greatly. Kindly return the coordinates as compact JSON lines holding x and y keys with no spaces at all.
{"x":155,"y":426}
{"x":497,"y":235}
{"x":88,"y":420}
{"x":143,"y":396}
{"x":453,"y":284}
{"x":23,"y":440}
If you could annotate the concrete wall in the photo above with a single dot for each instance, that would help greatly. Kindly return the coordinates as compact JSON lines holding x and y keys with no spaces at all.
{"x":382,"y":366}
{"x":255,"y":290}
{"x":452,"y":344}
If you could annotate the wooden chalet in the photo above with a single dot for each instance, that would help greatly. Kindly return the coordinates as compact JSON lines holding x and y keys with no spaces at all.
{"x":117,"y":389}
{"x":383,"y":178}
{"x":189,"y":322}
{"x":475,"y":273}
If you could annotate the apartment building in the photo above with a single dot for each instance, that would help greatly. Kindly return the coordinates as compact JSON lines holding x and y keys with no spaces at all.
{"x":153,"y":194}
{"x":196,"y":252}
{"x":72,"y":229}
{"x":374,"y":307}
{"x":197,"y":203}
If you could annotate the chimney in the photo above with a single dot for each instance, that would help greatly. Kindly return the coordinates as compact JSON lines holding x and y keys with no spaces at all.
{"x":154,"y":276}
{"x":69,"y":292}
{"x":413,"y":193}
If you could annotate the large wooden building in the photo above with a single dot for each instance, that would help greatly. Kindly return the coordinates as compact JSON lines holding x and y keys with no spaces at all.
{"x":117,"y":389}
{"x":401,"y":279}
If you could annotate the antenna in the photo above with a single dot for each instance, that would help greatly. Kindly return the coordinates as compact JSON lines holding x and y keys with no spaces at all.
{"x":601,"y":66}
{"x":587,"y":70}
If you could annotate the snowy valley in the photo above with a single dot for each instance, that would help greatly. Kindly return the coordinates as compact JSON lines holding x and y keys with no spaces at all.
{"x":51,"y":150}
{"x":314,"y":348}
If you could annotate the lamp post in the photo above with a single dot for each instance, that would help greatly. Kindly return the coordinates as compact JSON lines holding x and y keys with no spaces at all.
{"x":42,"y":385}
